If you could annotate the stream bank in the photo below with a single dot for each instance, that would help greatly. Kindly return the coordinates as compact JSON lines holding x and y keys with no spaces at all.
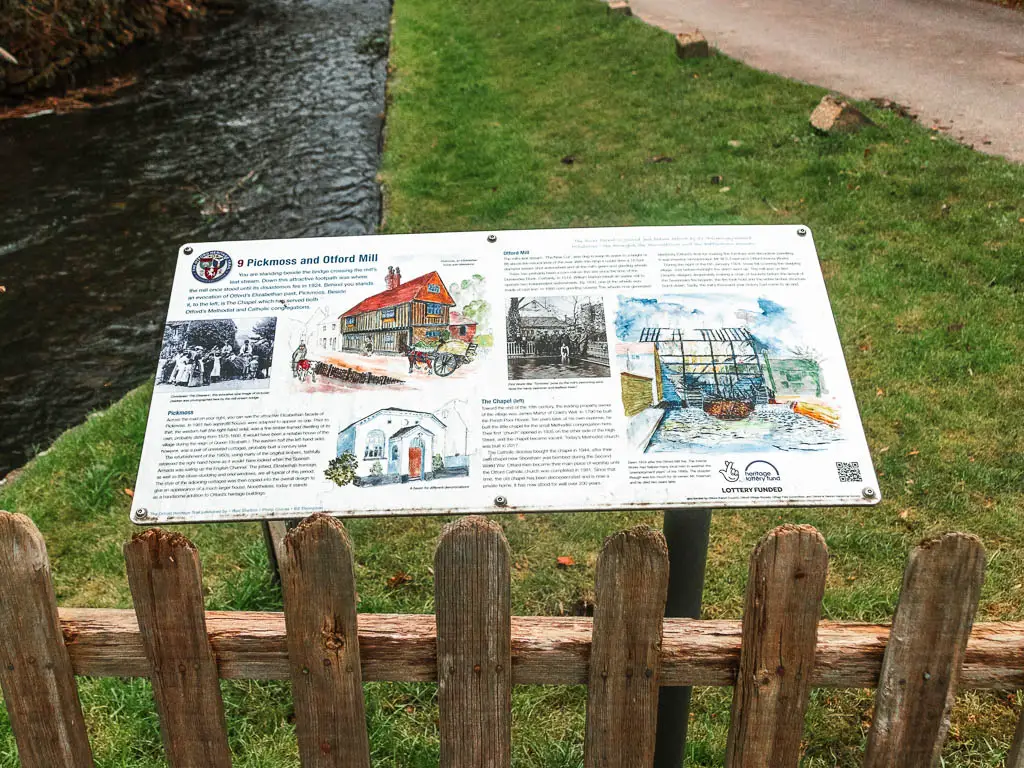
{"x":50,"y":42}
{"x":266,"y":126}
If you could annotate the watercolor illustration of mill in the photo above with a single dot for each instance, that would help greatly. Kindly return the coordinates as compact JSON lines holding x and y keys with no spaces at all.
{"x":726,"y":373}
{"x":411,"y":333}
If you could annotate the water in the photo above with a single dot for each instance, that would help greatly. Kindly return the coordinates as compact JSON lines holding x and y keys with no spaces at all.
{"x":274,"y":117}
{"x":774,"y":426}
{"x":554,"y":368}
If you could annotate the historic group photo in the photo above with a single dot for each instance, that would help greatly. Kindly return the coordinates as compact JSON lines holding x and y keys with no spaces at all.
{"x":217,"y":354}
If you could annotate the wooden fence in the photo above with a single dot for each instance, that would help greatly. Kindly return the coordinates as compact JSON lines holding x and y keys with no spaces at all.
{"x":476,"y":650}
{"x":521,"y":348}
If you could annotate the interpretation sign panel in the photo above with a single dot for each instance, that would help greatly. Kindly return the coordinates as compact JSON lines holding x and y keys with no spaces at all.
{"x":648,"y":367}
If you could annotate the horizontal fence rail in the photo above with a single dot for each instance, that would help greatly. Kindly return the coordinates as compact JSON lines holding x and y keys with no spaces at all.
{"x":476,"y":651}
{"x":546,"y":650}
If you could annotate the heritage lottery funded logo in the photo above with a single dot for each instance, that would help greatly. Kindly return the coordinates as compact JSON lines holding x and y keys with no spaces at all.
{"x":211,"y":266}
{"x":759,"y":474}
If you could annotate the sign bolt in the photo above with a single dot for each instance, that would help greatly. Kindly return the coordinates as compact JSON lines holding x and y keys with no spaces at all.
{"x":869,"y":493}
{"x":188,"y":250}
{"x":492,"y":238}
{"x":141,"y":513}
{"x":802,"y":232}
{"x":500,"y":501}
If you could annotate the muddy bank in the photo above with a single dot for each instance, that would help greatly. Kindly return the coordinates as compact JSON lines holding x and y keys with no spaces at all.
{"x":48,"y":42}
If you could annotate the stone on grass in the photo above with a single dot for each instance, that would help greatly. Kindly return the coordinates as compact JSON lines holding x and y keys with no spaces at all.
{"x":620,"y":7}
{"x":692,"y":45}
{"x":833,"y":115}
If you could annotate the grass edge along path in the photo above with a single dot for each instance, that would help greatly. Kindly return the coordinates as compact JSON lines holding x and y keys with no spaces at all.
{"x":555,"y":114}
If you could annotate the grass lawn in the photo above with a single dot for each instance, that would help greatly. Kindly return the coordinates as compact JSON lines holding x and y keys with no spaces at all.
{"x":550,"y":113}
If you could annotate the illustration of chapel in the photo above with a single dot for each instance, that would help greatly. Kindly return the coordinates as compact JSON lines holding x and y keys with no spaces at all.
{"x":396,"y":319}
{"x":398,"y":445}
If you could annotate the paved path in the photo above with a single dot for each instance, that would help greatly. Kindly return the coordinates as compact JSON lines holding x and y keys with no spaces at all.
{"x":958,"y":64}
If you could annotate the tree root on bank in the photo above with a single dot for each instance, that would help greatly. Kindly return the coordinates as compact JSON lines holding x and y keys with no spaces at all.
{"x":73,"y":101}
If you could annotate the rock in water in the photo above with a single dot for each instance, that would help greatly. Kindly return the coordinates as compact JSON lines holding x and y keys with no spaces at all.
{"x":835,"y":116}
{"x":692,"y":45}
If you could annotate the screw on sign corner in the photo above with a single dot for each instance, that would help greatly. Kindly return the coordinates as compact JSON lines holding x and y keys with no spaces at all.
{"x":141,"y":514}
{"x":492,"y":238}
{"x":802,"y":232}
{"x":869,"y":493}
{"x":500,"y":501}
{"x":188,"y":250}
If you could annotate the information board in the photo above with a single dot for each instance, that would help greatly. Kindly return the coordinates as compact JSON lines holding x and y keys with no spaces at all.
{"x":576,"y":369}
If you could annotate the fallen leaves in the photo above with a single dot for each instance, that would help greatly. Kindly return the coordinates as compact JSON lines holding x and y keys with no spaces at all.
{"x":565,"y":562}
{"x":900,"y":109}
{"x":400,"y":578}
{"x":129,"y":493}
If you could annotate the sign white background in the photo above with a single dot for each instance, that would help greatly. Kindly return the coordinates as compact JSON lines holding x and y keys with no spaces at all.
{"x":486,"y":421}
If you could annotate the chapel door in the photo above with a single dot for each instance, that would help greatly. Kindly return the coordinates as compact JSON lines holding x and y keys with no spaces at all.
{"x":415,"y":462}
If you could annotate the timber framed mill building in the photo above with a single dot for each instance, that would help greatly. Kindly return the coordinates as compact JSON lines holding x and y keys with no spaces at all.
{"x":396,"y":319}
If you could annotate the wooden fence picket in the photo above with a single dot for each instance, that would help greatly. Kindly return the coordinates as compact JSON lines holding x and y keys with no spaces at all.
{"x":922,"y":662}
{"x":472,"y":597}
{"x":1015,"y":757}
{"x":773,"y":657}
{"x":35,"y":668}
{"x":780,"y":632}
{"x":631,"y":585}
{"x":166,"y":582}
{"x":319,"y":584}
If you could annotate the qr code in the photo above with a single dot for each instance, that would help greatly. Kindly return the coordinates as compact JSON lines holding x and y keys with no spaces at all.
{"x":849,"y":471}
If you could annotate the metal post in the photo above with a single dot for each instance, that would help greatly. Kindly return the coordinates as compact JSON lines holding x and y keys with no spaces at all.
{"x":273,"y":537}
{"x":686,"y":533}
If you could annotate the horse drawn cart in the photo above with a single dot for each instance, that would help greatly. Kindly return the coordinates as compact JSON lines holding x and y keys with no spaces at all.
{"x":444,"y":358}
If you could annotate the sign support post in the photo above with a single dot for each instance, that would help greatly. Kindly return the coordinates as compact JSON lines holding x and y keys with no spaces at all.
{"x":274,"y":532}
{"x":686,"y":534}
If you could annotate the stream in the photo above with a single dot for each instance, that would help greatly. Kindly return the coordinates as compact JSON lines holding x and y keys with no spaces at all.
{"x":267,"y":125}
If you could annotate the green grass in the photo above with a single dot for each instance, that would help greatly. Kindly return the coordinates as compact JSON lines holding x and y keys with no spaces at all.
{"x":921,"y":244}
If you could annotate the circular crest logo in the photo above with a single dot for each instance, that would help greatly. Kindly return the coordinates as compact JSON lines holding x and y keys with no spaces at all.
{"x":211,"y":266}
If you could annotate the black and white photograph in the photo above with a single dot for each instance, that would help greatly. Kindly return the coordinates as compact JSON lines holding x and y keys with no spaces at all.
{"x":556,"y":337}
{"x":211,"y":355}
